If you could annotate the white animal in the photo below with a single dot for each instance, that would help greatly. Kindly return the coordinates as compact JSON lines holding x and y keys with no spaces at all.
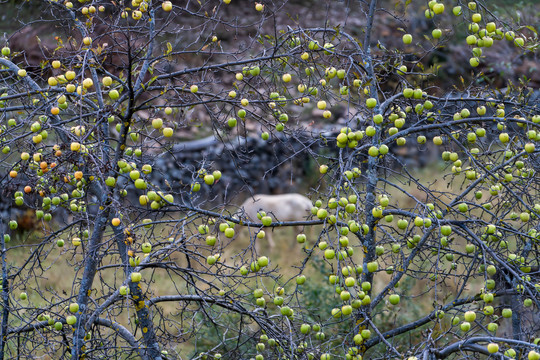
{"x":284,"y":207}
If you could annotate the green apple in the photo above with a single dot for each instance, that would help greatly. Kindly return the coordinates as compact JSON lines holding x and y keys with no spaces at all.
{"x":286,"y":311}
{"x":488,"y":310}
{"x":134,"y":136}
{"x":322,"y":213}
{"x":519,"y":41}
{"x":266,"y":220}
{"x":278,"y":300}
{"x":407,"y":38}
{"x":470,"y":316}
{"x":211,"y":260}
{"x":209,"y":179}
{"x":262,"y":261}
{"x":223,"y":226}
{"x":168,"y":132}
{"x":446,"y":230}
{"x":372,"y":266}
{"x":402,"y":224}
{"x":492,"y":327}
{"x":407,"y":93}
{"x":350,"y":281}
{"x":140,"y":184}
{"x":345,"y":295}
{"x":492,"y":348}
{"x":146,"y":247}
{"x":305,"y":329}
{"x":157,"y":123}
{"x":377,"y":212}
{"x":511,"y":353}
{"x":371,"y":131}
{"x":346,"y":310}
{"x":113,"y":94}
{"x":71,"y":320}
{"x":73,"y":307}
{"x":371,"y":103}
{"x":244,"y":270}
{"x":136,"y":277}
{"x":146,"y":169}
{"x":254,"y":266}
{"x":474,"y":61}
{"x":110,"y":181}
{"x":124,"y":290}
{"x":373,"y":151}
{"x":529,"y":147}
{"x":394,"y":299}
{"x":481,"y":110}
{"x":13,"y":224}
{"x":329,"y":254}
{"x":438,"y":8}
{"x":471,"y":40}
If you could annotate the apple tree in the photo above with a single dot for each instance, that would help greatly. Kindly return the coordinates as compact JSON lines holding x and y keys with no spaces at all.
{"x":395,"y":261}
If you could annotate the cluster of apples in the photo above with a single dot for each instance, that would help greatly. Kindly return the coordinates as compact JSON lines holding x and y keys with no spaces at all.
{"x":156,"y":199}
{"x":41,"y":164}
{"x":352,"y":293}
{"x":68,"y":78}
{"x":57,"y":325}
{"x":227,"y":228}
{"x":470,"y":317}
{"x":484,"y":37}
{"x":346,"y":280}
{"x":276,"y":101}
{"x":342,"y":208}
{"x":479,"y":37}
{"x":349,"y":138}
{"x":140,"y":7}
{"x":157,"y":124}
